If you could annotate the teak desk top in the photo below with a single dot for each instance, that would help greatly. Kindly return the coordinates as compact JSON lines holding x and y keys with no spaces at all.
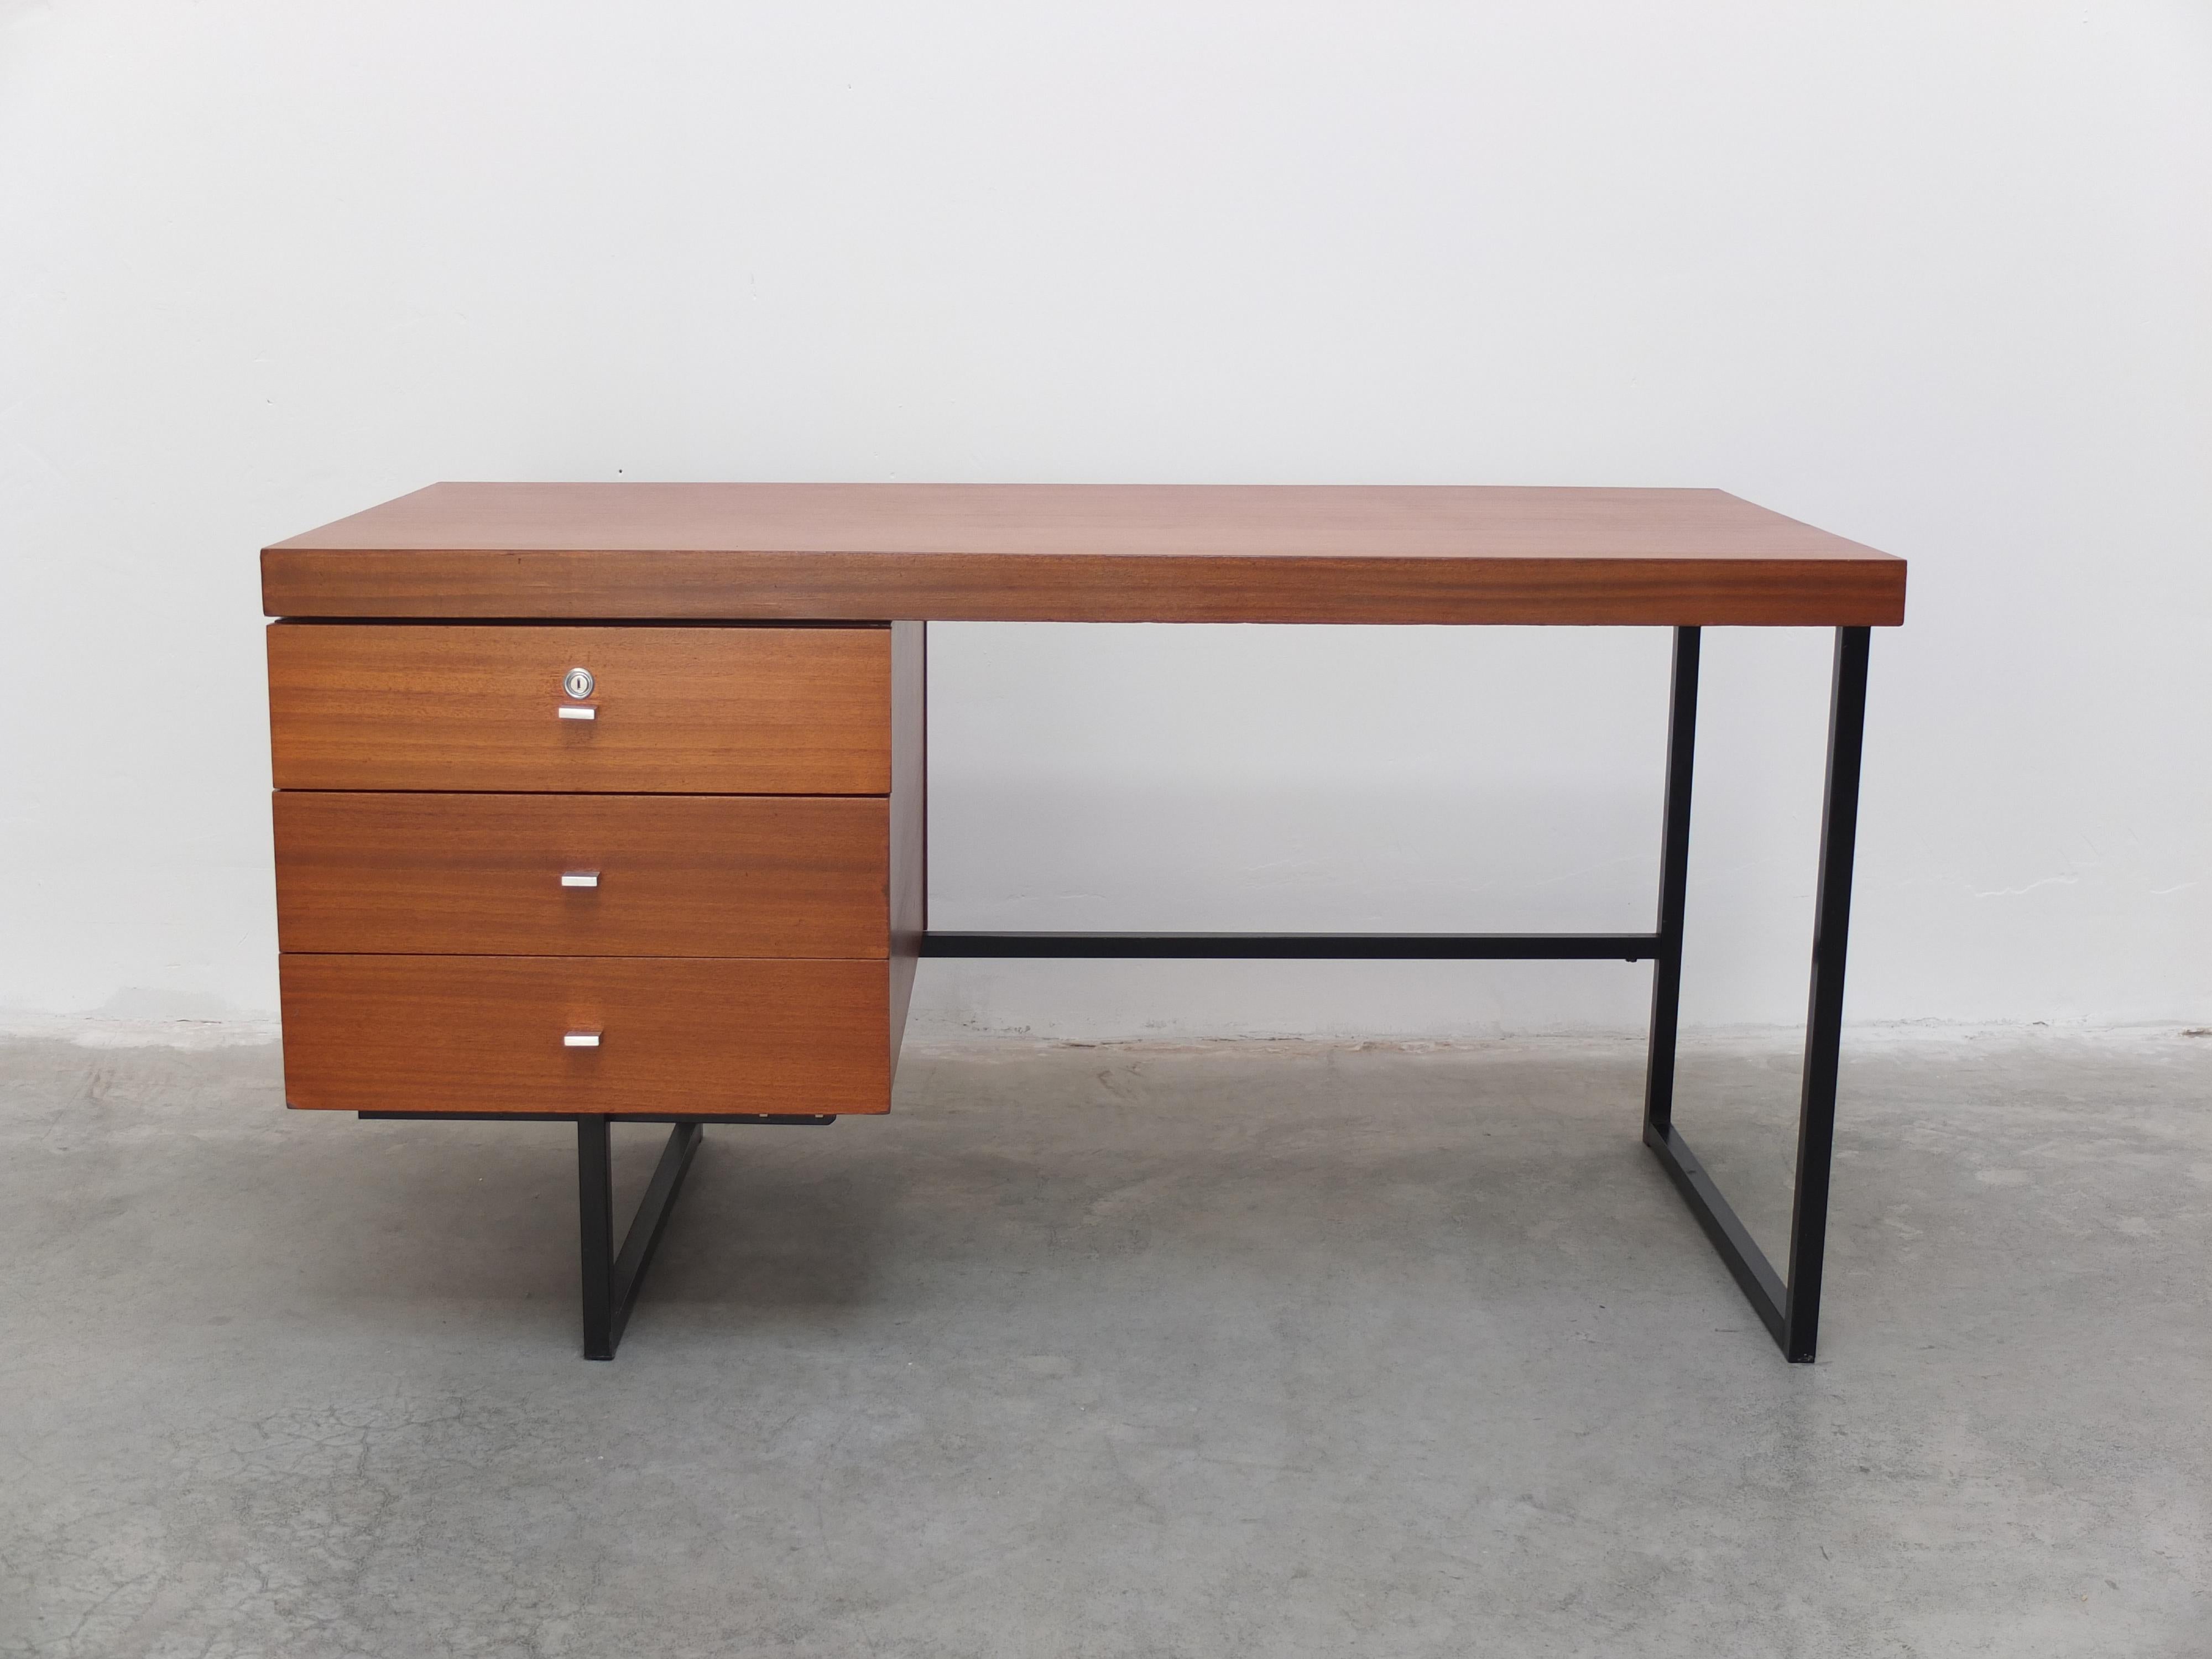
{"x":1346,"y":553}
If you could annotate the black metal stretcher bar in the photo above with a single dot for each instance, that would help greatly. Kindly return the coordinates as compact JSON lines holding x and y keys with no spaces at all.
{"x":1327,"y":947}
{"x":1791,"y":1308}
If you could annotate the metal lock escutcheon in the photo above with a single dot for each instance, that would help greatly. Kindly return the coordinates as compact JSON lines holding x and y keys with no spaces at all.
{"x":578,"y":683}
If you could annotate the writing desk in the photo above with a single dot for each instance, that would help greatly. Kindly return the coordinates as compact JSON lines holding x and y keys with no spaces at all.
{"x":602,"y":801}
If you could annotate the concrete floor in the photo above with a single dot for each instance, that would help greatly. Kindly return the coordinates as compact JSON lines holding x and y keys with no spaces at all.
{"x":1267,"y":1351}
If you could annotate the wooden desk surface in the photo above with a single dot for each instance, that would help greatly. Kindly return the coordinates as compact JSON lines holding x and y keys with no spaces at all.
{"x":1082,"y":553}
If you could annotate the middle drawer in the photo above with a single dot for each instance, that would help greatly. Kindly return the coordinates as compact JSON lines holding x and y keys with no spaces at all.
{"x":582,"y":875}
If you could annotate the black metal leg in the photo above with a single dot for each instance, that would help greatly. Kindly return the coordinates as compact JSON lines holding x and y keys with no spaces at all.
{"x":611,"y":1279}
{"x":595,"y":1214}
{"x":1673,"y":884}
{"x":1791,"y":1310}
{"x":1824,"y":1019}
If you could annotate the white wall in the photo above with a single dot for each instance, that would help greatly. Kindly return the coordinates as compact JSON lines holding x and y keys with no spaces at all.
{"x":1937,"y":277}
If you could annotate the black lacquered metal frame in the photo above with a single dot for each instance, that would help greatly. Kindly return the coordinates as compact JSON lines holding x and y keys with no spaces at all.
{"x":1791,"y":1308}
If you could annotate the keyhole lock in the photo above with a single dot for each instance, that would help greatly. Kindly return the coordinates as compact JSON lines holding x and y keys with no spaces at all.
{"x":579,"y":682}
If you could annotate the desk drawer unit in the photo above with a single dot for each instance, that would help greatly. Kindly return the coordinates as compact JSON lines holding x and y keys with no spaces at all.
{"x":626,"y":870}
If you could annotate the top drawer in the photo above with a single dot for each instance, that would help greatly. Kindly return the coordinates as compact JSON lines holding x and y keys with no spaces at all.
{"x":707,"y":711}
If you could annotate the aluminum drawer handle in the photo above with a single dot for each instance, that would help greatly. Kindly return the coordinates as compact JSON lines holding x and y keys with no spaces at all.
{"x":570,"y":711}
{"x":579,"y":1039}
{"x":579,"y":878}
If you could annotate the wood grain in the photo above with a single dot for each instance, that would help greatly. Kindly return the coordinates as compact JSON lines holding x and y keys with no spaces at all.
{"x":679,"y":875}
{"x":483,"y":1034}
{"x":679,"y":710}
{"x":1083,"y":553}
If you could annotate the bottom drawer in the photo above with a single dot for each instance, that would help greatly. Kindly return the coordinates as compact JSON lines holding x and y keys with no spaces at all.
{"x":675,"y":1034}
